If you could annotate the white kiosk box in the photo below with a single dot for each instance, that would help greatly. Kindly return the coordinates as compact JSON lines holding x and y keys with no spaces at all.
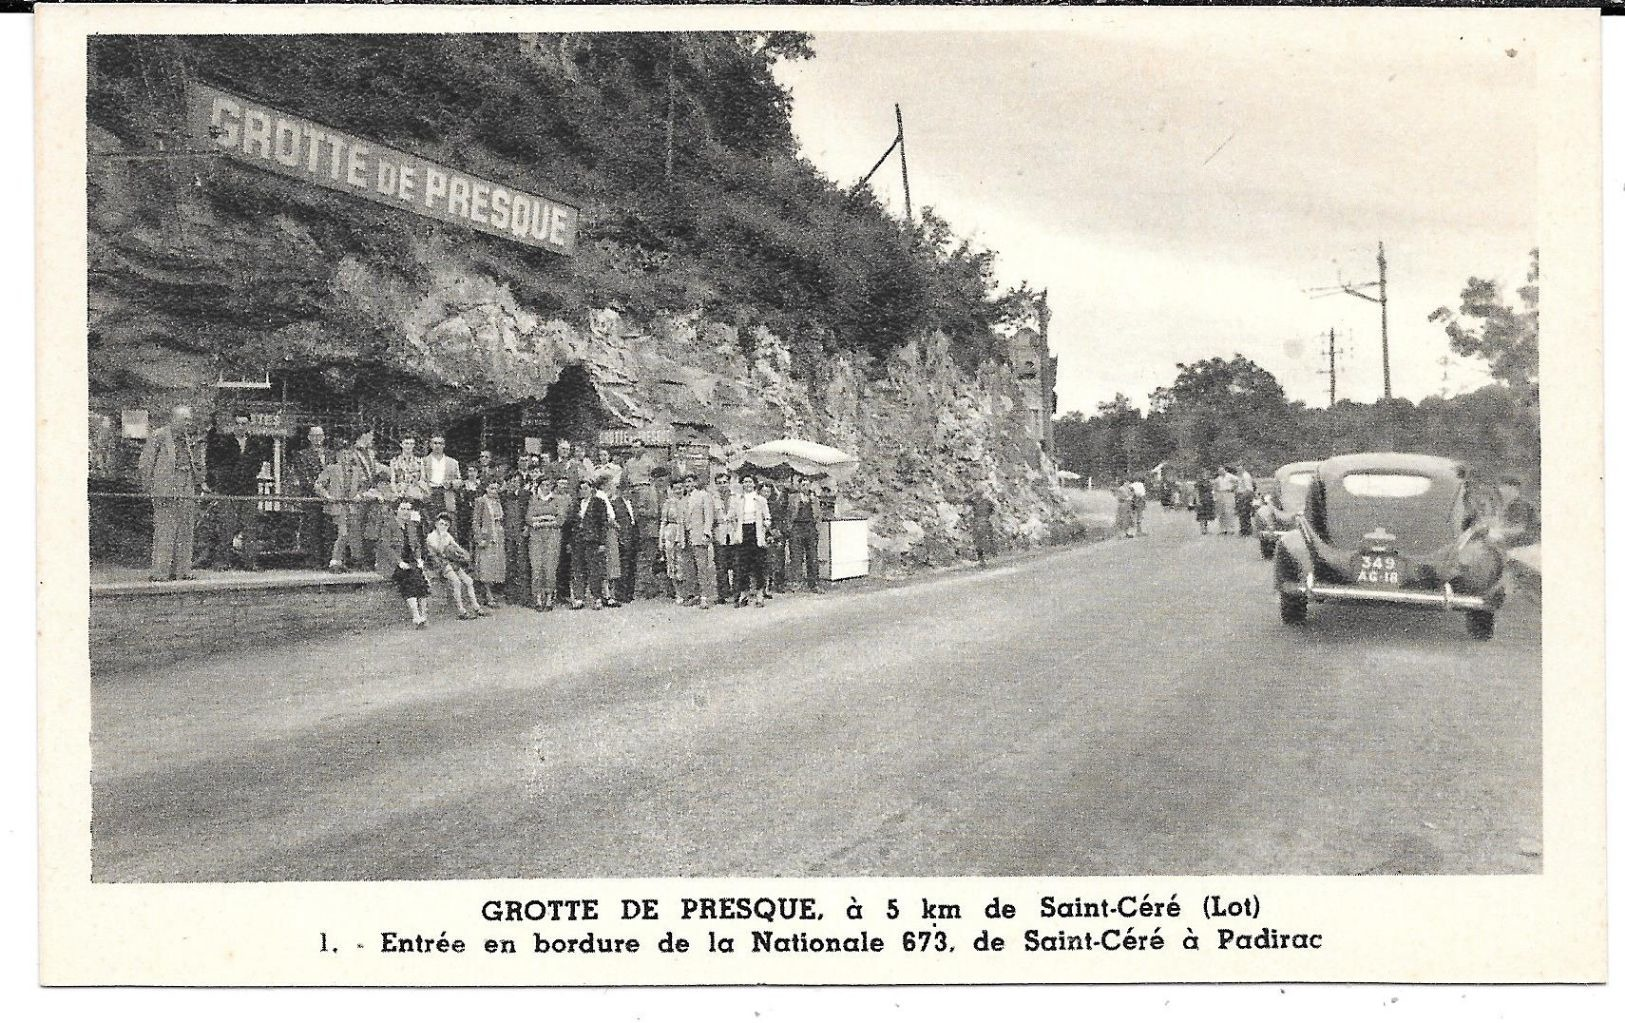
{"x":843,"y":547}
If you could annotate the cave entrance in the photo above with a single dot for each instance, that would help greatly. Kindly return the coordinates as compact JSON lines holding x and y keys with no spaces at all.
{"x":568,"y":410}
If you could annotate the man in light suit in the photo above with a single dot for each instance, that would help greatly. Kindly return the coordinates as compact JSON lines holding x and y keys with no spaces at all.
{"x":170,"y":474}
{"x":699,"y":522}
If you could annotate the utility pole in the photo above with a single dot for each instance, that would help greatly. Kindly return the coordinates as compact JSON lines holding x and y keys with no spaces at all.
{"x":902,"y":153}
{"x":1380,"y":298}
{"x":1332,"y":352}
{"x":1382,"y":301}
{"x":902,"y":150}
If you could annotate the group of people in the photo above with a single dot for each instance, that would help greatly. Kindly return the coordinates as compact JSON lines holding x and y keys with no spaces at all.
{"x":1131,"y":497}
{"x":1222,"y":500}
{"x":540,"y":532}
{"x":568,"y":531}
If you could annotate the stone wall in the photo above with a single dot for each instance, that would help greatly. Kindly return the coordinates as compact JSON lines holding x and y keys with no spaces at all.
{"x":138,"y":626}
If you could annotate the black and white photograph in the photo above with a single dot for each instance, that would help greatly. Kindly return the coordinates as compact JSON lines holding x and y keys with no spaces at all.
{"x":1111,"y":448}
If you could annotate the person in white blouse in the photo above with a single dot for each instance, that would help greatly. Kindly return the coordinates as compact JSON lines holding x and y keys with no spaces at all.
{"x":751,"y":521}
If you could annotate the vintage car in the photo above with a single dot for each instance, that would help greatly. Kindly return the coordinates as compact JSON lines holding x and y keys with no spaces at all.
{"x":1391,"y":529}
{"x":1277,"y":512}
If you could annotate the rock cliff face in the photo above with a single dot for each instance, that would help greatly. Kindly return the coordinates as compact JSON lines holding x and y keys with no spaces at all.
{"x":281,"y":291}
{"x":928,"y":433}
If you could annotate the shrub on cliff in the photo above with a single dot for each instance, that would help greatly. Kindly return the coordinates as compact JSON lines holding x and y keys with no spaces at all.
{"x":677,"y":147}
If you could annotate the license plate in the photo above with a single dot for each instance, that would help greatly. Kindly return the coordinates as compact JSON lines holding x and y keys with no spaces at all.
{"x":1379,"y":568}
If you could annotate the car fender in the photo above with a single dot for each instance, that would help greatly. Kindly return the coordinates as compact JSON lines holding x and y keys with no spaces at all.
{"x":1291,"y":557}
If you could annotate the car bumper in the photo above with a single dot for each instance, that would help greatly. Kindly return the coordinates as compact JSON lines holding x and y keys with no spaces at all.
{"x":1446,"y":598}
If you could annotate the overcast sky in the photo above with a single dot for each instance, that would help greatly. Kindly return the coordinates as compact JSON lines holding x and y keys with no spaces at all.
{"x":1097,"y":164}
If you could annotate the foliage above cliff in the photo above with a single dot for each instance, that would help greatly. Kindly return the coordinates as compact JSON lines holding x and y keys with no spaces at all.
{"x":677,"y":147}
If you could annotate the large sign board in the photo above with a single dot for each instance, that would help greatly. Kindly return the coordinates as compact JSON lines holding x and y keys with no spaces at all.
{"x":262,"y":136}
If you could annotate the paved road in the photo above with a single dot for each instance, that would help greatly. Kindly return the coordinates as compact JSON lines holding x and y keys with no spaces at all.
{"x":1131,"y":707}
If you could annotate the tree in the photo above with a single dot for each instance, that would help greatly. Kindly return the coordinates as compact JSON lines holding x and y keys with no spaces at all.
{"x":1222,"y":410}
{"x":1487,"y":327}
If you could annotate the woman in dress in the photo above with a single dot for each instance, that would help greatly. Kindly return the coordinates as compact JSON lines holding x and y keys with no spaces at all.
{"x":1224,"y":499}
{"x":1204,"y":499}
{"x":405,"y":541}
{"x":490,"y":542}
{"x":1125,"y":508}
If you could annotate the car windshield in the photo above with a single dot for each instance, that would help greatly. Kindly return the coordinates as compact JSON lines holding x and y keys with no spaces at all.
{"x":1375,"y":484}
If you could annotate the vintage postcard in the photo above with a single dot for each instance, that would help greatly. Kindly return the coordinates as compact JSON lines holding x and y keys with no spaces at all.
{"x":592,"y":496}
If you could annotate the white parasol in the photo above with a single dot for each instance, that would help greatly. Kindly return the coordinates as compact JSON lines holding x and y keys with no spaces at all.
{"x":799,"y":456}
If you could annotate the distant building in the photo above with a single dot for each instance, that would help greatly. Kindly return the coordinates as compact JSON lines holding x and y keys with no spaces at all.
{"x":1035,"y":370}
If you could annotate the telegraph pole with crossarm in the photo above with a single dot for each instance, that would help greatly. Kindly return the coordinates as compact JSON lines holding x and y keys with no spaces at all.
{"x":1381,"y":298}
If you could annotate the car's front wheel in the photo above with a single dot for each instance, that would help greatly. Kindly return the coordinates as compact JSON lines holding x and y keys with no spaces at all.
{"x":1481,"y":624}
{"x":1294,"y":609}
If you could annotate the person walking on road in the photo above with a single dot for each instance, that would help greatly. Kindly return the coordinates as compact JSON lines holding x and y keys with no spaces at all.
{"x":981,"y":524}
{"x":171,"y":476}
{"x":1246,"y":500}
{"x":1224,"y":499}
{"x":1125,"y":509}
{"x":1204,"y":502}
{"x":1137,"y":502}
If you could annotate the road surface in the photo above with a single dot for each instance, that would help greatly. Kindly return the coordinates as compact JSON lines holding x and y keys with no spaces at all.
{"x":1131,"y":707}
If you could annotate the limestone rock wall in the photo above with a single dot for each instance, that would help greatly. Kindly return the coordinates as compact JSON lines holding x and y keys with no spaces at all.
{"x":928,"y":433}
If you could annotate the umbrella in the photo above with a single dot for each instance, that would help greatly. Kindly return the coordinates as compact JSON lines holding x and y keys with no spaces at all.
{"x":798,"y":456}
